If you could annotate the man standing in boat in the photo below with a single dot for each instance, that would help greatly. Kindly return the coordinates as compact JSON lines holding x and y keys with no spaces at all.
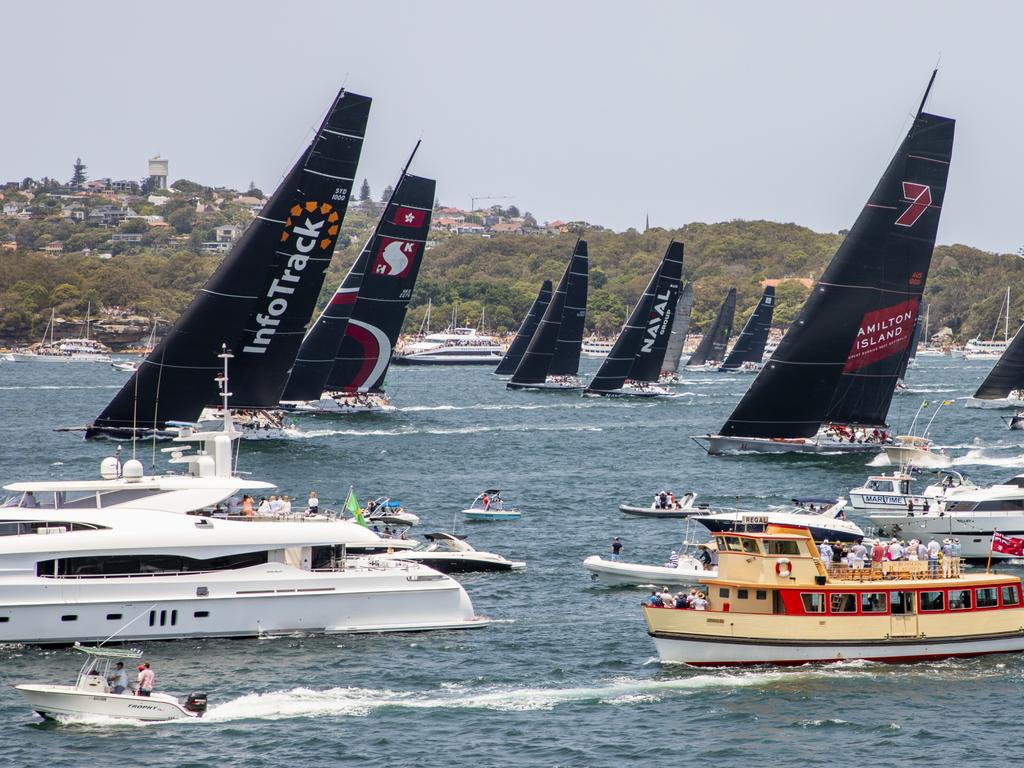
{"x":616,"y":549}
{"x":146,"y":680}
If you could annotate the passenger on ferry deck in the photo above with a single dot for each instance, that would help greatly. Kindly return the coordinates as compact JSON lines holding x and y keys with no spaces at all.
{"x":910,"y":553}
{"x":947,"y":548}
{"x":667,"y":598}
{"x":858,"y":555}
{"x":825,"y":550}
{"x":700,"y":603}
{"x":895,"y":551}
{"x":654,"y":599}
{"x":692,"y":597}
{"x":877,"y":552}
{"x":704,"y":556}
{"x":681,"y":601}
{"x":922,"y":551}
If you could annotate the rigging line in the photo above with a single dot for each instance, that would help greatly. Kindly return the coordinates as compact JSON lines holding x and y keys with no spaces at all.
{"x":125,"y":626}
{"x":135,"y":411}
{"x":156,"y":403}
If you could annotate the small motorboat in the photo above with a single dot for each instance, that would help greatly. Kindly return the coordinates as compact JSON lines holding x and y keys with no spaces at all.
{"x":663,"y":507}
{"x":389,"y":512}
{"x":490,"y":506}
{"x":448,"y":553}
{"x":911,"y":451}
{"x":823,"y":517}
{"x":91,"y":694}
{"x":126,"y":367}
{"x":616,"y":573}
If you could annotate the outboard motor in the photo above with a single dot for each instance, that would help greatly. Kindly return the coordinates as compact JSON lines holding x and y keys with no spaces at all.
{"x":196,"y":703}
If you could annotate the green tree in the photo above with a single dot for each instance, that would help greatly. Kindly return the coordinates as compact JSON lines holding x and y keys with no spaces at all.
{"x":386,"y":195}
{"x":364,"y":191}
{"x":78,"y":177}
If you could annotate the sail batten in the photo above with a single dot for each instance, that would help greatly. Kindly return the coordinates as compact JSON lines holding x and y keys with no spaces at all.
{"x":841,"y":357}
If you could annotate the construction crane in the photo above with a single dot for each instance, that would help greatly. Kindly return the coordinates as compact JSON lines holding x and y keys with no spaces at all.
{"x":474,"y":198}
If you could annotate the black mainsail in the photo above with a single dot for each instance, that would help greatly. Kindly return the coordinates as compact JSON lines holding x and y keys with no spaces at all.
{"x":569,"y":343}
{"x":394,"y":257}
{"x":749,"y":347}
{"x":1007,"y":374}
{"x":316,"y":356}
{"x":680,"y":327}
{"x":259,"y":298}
{"x":840,"y":359}
{"x":517,"y":348}
{"x":538,"y":359}
{"x":712,"y":346}
{"x":639,"y":350}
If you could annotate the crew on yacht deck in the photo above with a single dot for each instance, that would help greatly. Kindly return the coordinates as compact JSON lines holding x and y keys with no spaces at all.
{"x":312,"y":504}
{"x":118,"y":681}
{"x":704,"y":556}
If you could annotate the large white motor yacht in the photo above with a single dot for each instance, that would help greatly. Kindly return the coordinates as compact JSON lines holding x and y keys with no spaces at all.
{"x":454,"y":346}
{"x":893,"y":491}
{"x":134,"y":554}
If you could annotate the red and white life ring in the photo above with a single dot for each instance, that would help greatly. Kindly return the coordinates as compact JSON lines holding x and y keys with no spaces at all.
{"x":783,"y":567}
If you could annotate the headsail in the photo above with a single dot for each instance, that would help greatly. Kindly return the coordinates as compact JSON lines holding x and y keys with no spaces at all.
{"x":536,"y":362}
{"x":1008,"y":372}
{"x":840,"y":358}
{"x":749,"y":347}
{"x":394,"y":257}
{"x":510,"y":361}
{"x":636,"y":353}
{"x":712,"y":346}
{"x":680,"y":327}
{"x":259,"y":298}
{"x":316,"y":356}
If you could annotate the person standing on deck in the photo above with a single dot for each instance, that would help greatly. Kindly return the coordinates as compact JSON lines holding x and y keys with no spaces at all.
{"x":616,"y":549}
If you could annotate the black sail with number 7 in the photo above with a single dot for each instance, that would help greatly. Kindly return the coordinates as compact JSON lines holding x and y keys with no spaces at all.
{"x":840,"y":358}
{"x":259,"y":299}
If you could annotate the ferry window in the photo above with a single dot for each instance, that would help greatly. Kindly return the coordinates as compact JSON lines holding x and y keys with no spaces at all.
{"x":744,"y":594}
{"x":761,"y":594}
{"x":114,"y":617}
{"x":750,"y":546}
{"x":933,"y":601}
{"x":959,"y":599}
{"x":843,"y":602}
{"x":814,"y":602}
{"x":723,"y":592}
{"x":781,"y":547}
{"x":872,"y":602}
{"x":987,"y":597}
{"x":732,"y":543}
{"x":1010,"y":596}
{"x":901,"y":603}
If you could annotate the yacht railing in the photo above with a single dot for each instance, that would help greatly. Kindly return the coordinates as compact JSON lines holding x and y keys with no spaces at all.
{"x":946,"y":568}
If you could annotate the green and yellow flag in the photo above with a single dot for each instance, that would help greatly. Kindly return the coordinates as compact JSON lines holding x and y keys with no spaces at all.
{"x":352,"y":507}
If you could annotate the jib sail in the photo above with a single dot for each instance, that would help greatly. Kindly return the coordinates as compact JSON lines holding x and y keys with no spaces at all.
{"x":510,"y":361}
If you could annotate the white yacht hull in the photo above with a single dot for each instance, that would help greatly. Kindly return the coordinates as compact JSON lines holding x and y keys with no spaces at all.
{"x":909,"y":456}
{"x":426,"y":358}
{"x":974,"y":530}
{"x":546,"y":386}
{"x":22,"y":357}
{"x":720,"y":444}
{"x":492,"y":514}
{"x":742,"y":651}
{"x":331,"y":406}
{"x":998,"y":403}
{"x":614,"y":573}
{"x":52,"y":701}
{"x":628,"y":509}
{"x":263,"y":600}
{"x":874,"y":500}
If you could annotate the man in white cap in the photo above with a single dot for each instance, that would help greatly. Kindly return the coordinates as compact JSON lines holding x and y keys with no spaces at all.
{"x":825,"y":550}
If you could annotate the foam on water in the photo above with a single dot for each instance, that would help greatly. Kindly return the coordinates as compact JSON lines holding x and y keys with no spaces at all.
{"x":978,"y":456}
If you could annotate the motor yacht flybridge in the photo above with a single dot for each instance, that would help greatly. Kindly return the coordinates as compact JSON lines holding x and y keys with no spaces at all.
{"x":127,"y":552}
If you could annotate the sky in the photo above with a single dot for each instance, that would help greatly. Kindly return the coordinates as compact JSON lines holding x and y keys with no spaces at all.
{"x":607,"y":112}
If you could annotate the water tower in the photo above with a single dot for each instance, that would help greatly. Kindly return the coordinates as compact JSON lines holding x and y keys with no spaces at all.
{"x":158,"y":172}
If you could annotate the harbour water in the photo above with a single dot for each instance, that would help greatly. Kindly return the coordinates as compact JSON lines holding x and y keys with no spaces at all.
{"x":566,"y":674}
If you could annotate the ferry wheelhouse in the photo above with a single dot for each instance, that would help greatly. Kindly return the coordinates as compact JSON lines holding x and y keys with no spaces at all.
{"x":773,"y":601}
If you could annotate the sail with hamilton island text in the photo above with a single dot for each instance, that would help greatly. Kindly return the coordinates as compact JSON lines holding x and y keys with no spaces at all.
{"x":515,"y":351}
{"x":841,"y":357}
{"x":259,"y":299}
{"x":749,"y":347}
{"x":712,"y":346}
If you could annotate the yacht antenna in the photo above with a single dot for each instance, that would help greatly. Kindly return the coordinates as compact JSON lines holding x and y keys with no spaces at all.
{"x":222,"y":382}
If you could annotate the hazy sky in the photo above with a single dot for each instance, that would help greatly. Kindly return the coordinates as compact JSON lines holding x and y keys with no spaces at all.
{"x":604,"y":111}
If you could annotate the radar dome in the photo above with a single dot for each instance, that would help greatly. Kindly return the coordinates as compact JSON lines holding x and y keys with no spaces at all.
{"x":110,"y":468}
{"x":132,"y":470}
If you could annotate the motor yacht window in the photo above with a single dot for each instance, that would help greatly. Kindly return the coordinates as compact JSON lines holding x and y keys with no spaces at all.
{"x":783,"y":547}
{"x":873,"y":602}
{"x":99,"y":566}
{"x":901,"y":603}
{"x":960,"y":506}
{"x":1017,"y":481}
{"x":125,"y":495}
{"x":750,"y":546}
{"x":997,"y":505}
{"x":959,"y":599}
{"x":814,"y":602}
{"x":880,"y":485}
{"x":843,"y":602}
{"x":69,"y":617}
{"x":114,"y":617}
{"x":23,"y":527}
{"x":933,"y":601}
{"x":201,"y":614}
{"x":723,"y":592}
{"x":76,"y":500}
{"x":1010,"y":596}
{"x":987,"y":597}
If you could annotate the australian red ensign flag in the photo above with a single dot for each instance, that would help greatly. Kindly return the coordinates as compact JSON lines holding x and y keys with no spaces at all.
{"x":1007,"y":545}
{"x":408,"y":217}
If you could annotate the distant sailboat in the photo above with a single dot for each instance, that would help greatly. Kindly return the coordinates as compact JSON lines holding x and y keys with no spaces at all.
{"x":80,"y":350}
{"x":634,"y":364}
{"x":711,"y":349}
{"x":828,"y":385}
{"x":257,"y":301}
{"x":991,"y":349}
{"x":680,"y":327}
{"x":552,"y":358}
{"x":748,"y":350}
{"x":1004,"y":385}
{"x":517,"y":348}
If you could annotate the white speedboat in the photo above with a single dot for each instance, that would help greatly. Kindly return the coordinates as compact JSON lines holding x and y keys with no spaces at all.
{"x":683,"y":507}
{"x":881,"y":492}
{"x":126,"y":367}
{"x":455,"y":346}
{"x":490,"y":506}
{"x":91,"y":695}
{"x":824,"y":522}
{"x":345,"y":403}
{"x":448,"y":553}
{"x":390,"y":512}
{"x":911,"y":451}
{"x":617,"y":573}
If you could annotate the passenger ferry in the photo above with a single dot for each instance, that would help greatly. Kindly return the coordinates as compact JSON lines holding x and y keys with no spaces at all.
{"x":454,"y":346}
{"x":83,"y":350}
{"x":595,"y":347}
{"x":774,"y":602}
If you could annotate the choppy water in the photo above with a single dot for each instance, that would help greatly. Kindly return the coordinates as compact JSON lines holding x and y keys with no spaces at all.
{"x":566,"y":675}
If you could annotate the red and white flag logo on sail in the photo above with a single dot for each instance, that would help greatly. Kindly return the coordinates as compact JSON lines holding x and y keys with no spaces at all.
{"x":408,"y":217}
{"x":1007,"y":545}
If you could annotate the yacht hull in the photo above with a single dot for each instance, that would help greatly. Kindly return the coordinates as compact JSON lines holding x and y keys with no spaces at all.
{"x":974,"y":533}
{"x":614,"y":573}
{"x":545,"y":387}
{"x":908,"y":456}
{"x":426,"y":359}
{"x":628,"y":509}
{"x":53,"y":701}
{"x":720,"y":444}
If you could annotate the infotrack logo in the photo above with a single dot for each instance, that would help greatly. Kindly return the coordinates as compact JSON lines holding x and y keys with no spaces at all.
{"x":310,"y":230}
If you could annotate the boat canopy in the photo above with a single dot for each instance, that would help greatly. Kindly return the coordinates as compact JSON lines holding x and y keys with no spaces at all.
{"x":109,"y":653}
